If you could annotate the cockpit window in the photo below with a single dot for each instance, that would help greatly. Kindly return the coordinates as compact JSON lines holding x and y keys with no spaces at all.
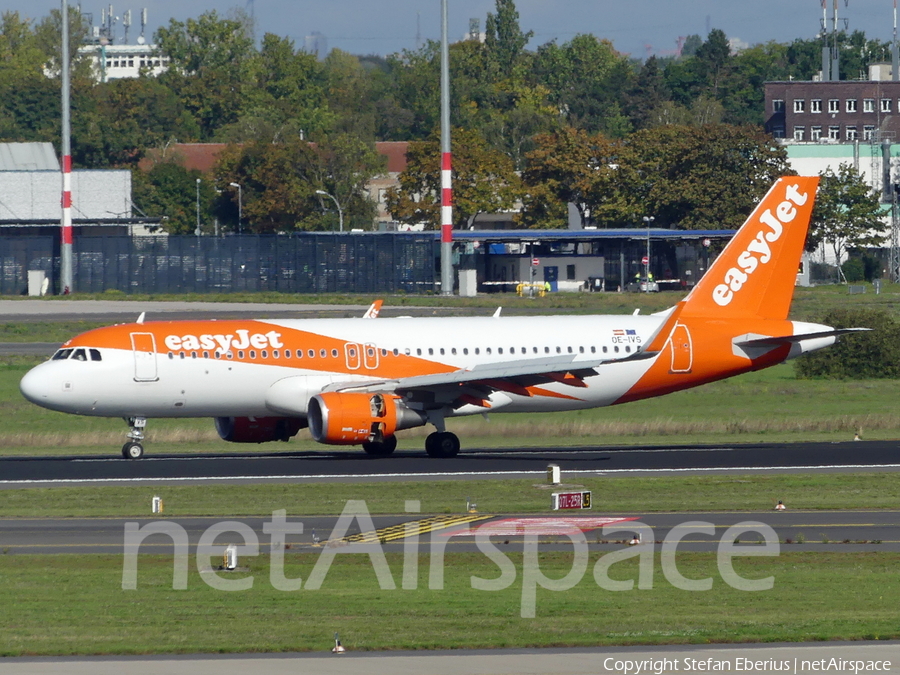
{"x":62,"y":354}
{"x":79,"y":355}
{"x":95,"y":355}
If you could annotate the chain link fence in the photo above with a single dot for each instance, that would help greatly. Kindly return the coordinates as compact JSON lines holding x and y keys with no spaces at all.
{"x":378,"y":262}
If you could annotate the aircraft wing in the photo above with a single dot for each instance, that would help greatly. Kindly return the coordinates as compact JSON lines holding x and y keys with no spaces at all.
{"x":474,"y":385}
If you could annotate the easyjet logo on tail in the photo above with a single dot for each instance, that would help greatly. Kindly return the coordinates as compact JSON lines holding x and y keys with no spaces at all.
{"x":758,"y":251}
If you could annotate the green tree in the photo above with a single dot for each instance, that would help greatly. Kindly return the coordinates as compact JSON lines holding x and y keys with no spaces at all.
{"x":48,"y":36}
{"x":347,"y":164}
{"x":349,"y":90}
{"x":127,"y":116}
{"x":712,"y":59}
{"x":484,"y":181}
{"x":707,"y":177}
{"x":847,"y":214}
{"x":647,"y":94}
{"x":587,"y":80}
{"x":869,"y":355}
{"x":20,"y":52}
{"x":287,"y":96}
{"x":504,"y":41}
{"x":415,"y":89}
{"x":169,"y":191}
{"x":589,"y":171}
{"x":277,"y":194}
{"x":210,"y":67}
{"x":279,"y":182}
{"x":692,"y":44}
{"x":209,"y":42}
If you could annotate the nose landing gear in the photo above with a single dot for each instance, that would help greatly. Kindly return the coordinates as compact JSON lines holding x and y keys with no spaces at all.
{"x":133,"y":448}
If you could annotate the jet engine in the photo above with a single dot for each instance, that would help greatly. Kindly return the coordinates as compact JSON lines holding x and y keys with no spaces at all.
{"x":258,"y":429}
{"x":352,"y":418}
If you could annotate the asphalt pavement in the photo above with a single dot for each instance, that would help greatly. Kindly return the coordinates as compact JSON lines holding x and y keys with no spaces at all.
{"x":841,"y":531}
{"x":760,"y":659}
{"x":317,"y":466}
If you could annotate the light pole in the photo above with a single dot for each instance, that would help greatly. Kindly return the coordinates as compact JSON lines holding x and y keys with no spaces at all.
{"x":197,"y":231}
{"x":340,"y":213}
{"x":647,"y":220}
{"x":240,"y":205}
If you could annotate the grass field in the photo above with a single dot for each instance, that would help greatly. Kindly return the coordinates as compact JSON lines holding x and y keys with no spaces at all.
{"x":611,"y":495}
{"x":75,"y":605}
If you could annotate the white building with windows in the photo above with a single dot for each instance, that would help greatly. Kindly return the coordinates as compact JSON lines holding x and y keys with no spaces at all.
{"x":112,"y":62}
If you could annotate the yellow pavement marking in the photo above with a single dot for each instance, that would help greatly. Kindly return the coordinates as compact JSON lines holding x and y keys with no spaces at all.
{"x":403,"y":530}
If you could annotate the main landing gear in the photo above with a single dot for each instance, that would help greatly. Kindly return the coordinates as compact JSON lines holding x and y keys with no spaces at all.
{"x":442,"y":444}
{"x":381,"y":448}
{"x":133,"y":448}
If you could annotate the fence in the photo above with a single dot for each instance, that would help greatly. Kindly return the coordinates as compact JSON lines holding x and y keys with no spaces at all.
{"x":377,"y":262}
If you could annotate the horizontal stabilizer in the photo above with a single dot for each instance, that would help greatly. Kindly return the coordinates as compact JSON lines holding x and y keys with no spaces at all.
{"x":790,"y":339}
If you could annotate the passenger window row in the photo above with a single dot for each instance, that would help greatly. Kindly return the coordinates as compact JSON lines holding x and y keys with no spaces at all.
{"x":370,"y":352}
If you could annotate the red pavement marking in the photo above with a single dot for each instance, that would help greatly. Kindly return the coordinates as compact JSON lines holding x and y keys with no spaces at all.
{"x":511,"y":527}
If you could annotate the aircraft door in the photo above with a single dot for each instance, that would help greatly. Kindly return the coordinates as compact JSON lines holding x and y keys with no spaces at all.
{"x":370,"y":356}
{"x":351,"y":355}
{"x":682,"y":349}
{"x":144,"y":347}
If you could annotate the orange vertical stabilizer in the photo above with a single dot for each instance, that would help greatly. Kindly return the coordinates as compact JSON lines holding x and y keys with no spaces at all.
{"x":755,"y":275}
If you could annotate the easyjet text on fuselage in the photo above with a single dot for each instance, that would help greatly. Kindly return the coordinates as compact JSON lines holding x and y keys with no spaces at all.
{"x":243,"y":340}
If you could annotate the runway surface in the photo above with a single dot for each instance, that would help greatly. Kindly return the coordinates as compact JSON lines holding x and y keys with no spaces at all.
{"x":471,"y":463}
{"x":785,"y":659}
{"x":840,"y":531}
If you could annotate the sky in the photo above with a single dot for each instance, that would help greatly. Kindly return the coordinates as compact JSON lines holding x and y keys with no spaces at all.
{"x":636,"y":27}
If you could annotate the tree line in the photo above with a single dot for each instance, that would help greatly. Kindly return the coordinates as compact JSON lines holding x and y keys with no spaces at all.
{"x":678,"y":138}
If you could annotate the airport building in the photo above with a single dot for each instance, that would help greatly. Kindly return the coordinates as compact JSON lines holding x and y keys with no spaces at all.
{"x":112,"y":62}
{"x":31,"y":189}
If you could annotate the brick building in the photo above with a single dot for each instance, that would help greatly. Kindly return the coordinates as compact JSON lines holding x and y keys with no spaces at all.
{"x":848,"y":110}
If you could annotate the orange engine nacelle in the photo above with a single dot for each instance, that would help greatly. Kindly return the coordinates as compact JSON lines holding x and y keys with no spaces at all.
{"x":353,"y":418}
{"x":258,"y":429}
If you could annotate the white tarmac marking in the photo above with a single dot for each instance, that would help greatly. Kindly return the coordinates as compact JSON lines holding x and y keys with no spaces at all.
{"x":187,"y":479}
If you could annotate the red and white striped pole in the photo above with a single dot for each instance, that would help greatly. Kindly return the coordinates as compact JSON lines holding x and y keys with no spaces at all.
{"x":446,"y":164}
{"x":65,"y":263}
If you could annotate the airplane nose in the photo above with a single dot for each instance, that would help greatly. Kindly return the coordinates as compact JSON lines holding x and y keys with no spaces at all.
{"x":35,"y":386}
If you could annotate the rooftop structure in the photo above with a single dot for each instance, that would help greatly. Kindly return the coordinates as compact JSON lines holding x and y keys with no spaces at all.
{"x":111,"y":62}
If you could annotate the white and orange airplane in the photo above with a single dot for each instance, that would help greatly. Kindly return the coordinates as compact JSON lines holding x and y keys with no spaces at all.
{"x":359,"y":381}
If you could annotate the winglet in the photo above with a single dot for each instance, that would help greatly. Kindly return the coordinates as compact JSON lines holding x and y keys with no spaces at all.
{"x":497,"y":313}
{"x":374,"y":309}
{"x":140,"y":319}
{"x":755,"y":275}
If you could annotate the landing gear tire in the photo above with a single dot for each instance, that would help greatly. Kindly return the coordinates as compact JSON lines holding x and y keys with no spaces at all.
{"x":442,"y":444}
{"x":381,"y":448}
{"x":132,"y":450}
